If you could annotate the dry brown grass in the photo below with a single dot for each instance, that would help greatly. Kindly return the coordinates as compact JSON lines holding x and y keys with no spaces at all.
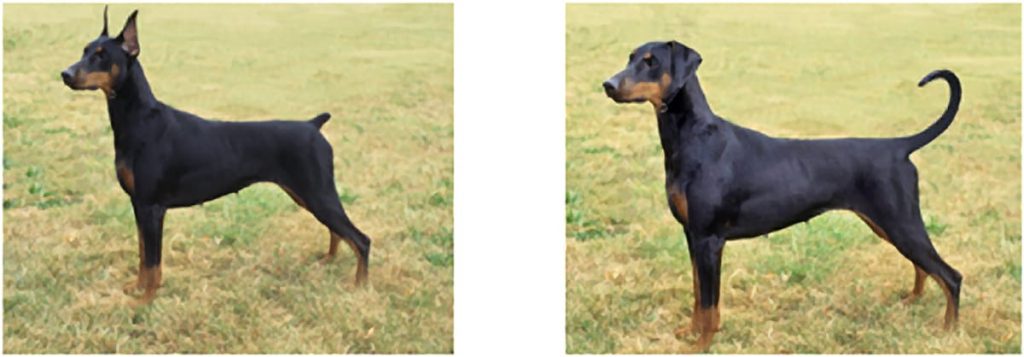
{"x":240,"y":273}
{"x":807,"y":71}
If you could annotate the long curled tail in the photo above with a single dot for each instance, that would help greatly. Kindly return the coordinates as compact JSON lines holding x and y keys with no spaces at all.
{"x":933,"y":131}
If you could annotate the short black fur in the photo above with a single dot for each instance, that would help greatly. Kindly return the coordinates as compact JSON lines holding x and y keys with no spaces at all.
{"x":726,"y":182}
{"x":168,"y":158}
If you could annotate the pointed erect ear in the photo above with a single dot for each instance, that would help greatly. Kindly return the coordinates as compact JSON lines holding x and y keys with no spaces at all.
{"x":129,"y":36}
{"x":684,"y":65}
{"x":104,"y":33}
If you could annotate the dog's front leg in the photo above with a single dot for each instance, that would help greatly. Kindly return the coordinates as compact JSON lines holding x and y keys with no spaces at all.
{"x":707,"y":254}
{"x":695,"y":318}
{"x":149,"y":218}
{"x":136,"y":284}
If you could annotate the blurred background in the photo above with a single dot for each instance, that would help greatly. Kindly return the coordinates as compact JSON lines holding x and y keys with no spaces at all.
{"x":240,"y":273}
{"x":807,"y":71}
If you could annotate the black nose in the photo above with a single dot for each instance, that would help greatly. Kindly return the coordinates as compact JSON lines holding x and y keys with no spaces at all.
{"x":609,"y":87}
{"x":67,"y":76}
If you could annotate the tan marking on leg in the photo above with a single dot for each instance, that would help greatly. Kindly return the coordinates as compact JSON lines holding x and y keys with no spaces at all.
{"x":708,"y":327}
{"x":951,"y":310}
{"x":294,"y":197}
{"x":874,"y":227}
{"x":151,"y":282}
{"x":697,"y":311}
{"x":710,"y":321}
{"x":919,"y":274}
{"x":137,"y":283}
{"x":332,"y":250}
{"x":361,"y":268}
{"x":919,"y":278}
{"x":334,"y":245}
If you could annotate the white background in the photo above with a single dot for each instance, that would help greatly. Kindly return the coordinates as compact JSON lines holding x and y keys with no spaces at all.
{"x":509,"y":178}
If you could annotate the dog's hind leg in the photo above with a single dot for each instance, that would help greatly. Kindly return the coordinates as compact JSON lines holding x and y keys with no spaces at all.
{"x":918,"y":291}
{"x":327,"y":208}
{"x":911,"y":239}
{"x":320,"y":198}
{"x":919,"y":274}
{"x":897,"y":214}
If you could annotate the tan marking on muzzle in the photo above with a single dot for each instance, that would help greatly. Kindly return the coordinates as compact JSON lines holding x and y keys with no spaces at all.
{"x":650,"y":91}
{"x":100,"y":80}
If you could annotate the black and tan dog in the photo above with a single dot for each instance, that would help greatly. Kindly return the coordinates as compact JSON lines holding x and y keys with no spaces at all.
{"x":726,"y":182}
{"x":167,"y":158}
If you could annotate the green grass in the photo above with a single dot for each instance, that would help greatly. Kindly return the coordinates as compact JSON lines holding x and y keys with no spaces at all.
{"x":808,"y":71}
{"x":240,"y":273}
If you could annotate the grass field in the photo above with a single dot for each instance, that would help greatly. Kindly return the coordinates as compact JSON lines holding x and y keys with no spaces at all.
{"x":240,"y":273}
{"x":810,"y":71}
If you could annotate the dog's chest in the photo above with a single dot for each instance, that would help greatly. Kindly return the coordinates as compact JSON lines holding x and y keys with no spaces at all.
{"x":678,"y":205}
{"x":125,"y":175}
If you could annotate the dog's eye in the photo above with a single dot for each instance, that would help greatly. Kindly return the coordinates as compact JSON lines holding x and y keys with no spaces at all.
{"x":649,"y":60}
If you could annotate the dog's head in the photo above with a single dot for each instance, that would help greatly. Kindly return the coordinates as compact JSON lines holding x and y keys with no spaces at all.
{"x":105,"y":60}
{"x":655,"y":73}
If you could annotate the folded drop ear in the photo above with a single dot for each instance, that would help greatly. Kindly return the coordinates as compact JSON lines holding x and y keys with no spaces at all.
{"x":684,"y":65}
{"x":129,"y":37}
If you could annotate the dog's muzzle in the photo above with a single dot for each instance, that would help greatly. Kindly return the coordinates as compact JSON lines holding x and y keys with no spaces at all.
{"x":69,"y":76}
{"x":611,"y":89}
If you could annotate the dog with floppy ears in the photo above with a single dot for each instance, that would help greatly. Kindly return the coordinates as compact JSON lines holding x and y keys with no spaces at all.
{"x":166,"y":158}
{"x":725,"y":182}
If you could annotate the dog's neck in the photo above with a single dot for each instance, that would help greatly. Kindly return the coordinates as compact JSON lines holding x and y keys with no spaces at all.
{"x":690,"y":101}
{"x":681,"y":114}
{"x":129,"y":102}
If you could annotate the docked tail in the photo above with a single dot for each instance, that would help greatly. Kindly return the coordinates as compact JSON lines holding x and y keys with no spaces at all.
{"x":933,"y":131}
{"x":320,"y":120}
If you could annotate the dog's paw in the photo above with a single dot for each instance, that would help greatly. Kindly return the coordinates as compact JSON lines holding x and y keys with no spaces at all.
{"x":142,"y":301}
{"x":146,"y":298}
{"x":131,"y":286}
{"x":687,"y":330}
{"x":910,"y":299}
{"x":703,"y":343}
{"x":327,"y":258}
